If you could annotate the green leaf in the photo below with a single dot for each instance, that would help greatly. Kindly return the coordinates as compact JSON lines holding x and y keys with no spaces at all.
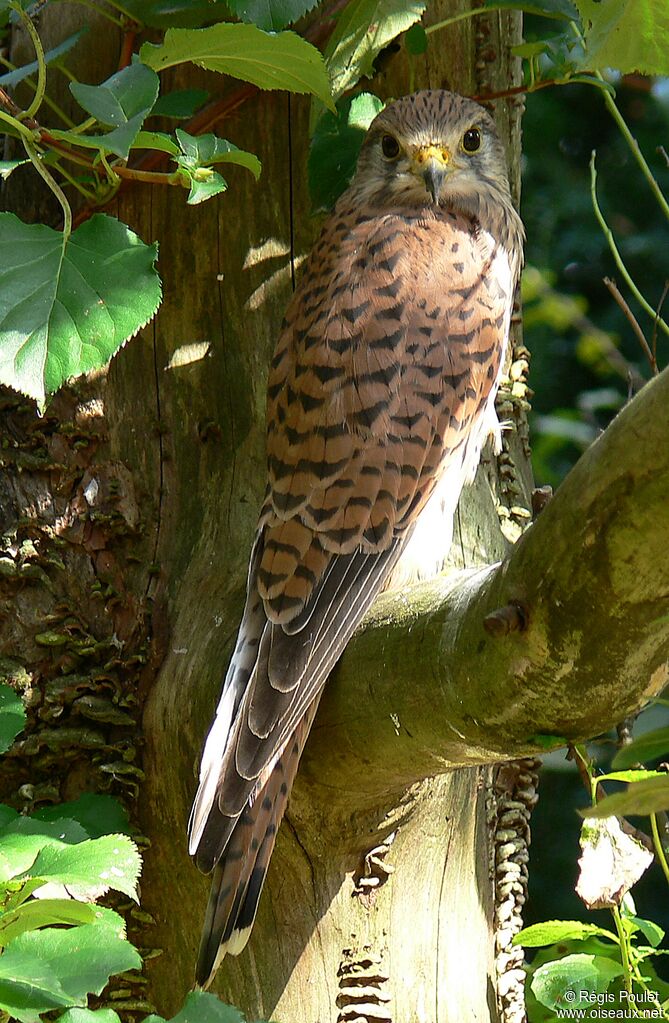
{"x":99,"y":142}
{"x":89,"y":1016}
{"x":630,"y":776}
{"x":641,"y":798}
{"x":82,"y":958}
{"x":201,"y":1007}
{"x":156,"y":140}
{"x":563,"y":9}
{"x":66,"y":306}
{"x":651,"y":931}
{"x":646,"y":747}
{"x":416,"y":40}
{"x":7,"y":815}
{"x":123,"y":102}
{"x":29,"y":986}
{"x":363,"y":29}
{"x":43,"y":913}
{"x":181,"y":103}
{"x":335,"y":146}
{"x":203,"y":188}
{"x":98,"y":815}
{"x":12,"y":716}
{"x":63,"y":830}
{"x":571,"y":981}
{"x":12,"y":78}
{"x":200,"y":150}
{"x":281,"y":61}
{"x":126,"y":94}
{"x":552,"y":931}
{"x":629,"y":35}
{"x":112,"y":861}
{"x":7,"y":166}
{"x":23,"y":838}
{"x":271,"y":15}
{"x":528,"y":50}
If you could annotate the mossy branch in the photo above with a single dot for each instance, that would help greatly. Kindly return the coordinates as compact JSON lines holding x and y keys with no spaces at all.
{"x":424,"y":685}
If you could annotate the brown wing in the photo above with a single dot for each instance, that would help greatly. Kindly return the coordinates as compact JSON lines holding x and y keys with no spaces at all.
{"x":391,"y":347}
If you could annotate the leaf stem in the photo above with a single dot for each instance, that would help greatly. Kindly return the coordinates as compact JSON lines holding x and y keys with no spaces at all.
{"x":624,"y":951}
{"x":457,"y":17}
{"x":149,"y":177}
{"x":634,"y":147}
{"x":19,"y":128}
{"x":84,"y":126}
{"x":627,"y":135}
{"x":88,"y":195}
{"x":111,"y":174}
{"x":616,"y":254}
{"x":657,"y":842}
{"x":38,"y":164}
{"x":52,"y":105}
{"x":65,"y":151}
{"x":47,"y":99}
{"x":64,"y":69}
{"x":39,"y":53}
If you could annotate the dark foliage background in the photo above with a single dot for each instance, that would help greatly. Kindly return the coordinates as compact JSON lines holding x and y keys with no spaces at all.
{"x":578,"y":385}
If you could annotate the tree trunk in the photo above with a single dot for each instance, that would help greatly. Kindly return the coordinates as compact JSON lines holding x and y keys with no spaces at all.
{"x":379,"y":906}
{"x":338,"y":936}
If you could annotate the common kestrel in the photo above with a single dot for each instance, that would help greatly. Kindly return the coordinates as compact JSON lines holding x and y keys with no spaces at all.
{"x":380,"y":396}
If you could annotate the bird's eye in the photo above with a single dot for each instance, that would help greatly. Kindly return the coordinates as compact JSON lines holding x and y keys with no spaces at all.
{"x":390,"y":147}
{"x":471,"y":140}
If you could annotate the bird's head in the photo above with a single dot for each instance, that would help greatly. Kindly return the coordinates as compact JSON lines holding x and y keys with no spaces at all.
{"x":432,"y":148}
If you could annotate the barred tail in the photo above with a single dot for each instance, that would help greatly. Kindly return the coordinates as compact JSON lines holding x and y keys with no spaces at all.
{"x":239,"y":876}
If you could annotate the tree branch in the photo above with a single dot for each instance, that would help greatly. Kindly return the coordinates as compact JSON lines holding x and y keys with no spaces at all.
{"x":424,"y":686}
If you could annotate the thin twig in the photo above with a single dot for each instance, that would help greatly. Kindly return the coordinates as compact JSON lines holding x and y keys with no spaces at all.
{"x":616,"y":254}
{"x":129,"y":37}
{"x":663,"y":152}
{"x":36,"y":160}
{"x":634,"y":323}
{"x":51,"y":104}
{"x":16,"y":126}
{"x":88,"y":195}
{"x":9,"y":104}
{"x":519,"y":90}
{"x":634,"y":147}
{"x":454,"y":18}
{"x":39,"y":53}
{"x":627,"y":135}
{"x":659,"y":848}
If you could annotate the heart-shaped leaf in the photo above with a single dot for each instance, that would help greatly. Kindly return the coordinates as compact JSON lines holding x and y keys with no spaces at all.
{"x":67,"y":305}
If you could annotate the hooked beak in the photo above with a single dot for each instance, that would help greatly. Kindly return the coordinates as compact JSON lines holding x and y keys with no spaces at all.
{"x":433,"y":165}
